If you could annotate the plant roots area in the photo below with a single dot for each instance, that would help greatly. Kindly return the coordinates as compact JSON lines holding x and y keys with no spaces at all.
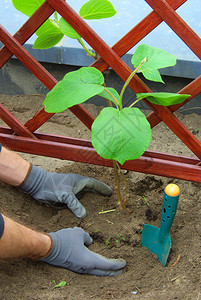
{"x":115,"y":233}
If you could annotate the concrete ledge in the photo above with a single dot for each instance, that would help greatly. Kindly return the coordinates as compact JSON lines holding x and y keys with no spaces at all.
{"x":27,"y":83}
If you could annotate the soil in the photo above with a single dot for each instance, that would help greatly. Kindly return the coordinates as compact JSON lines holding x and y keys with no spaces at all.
{"x":115,"y":234}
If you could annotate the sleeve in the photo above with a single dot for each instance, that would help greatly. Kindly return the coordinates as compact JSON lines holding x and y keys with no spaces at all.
{"x":1,"y":225}
{"x":0,"y":147}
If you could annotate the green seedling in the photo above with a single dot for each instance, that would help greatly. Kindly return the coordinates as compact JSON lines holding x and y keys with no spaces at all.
{"x":118,"y":133}
{"x":145,"y":200}
{"x":61,"y":284}
{"x":108,"y":244}
{"x":119,"y":238}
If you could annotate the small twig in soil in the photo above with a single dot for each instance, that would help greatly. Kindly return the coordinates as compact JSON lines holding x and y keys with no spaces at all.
{"x":138,"y":289}
{"x":107,"y":211}
{"x":110,"y":222}
{"x":176,"y":262}
{"x":88,"y":224}
{"x":175,"y":278}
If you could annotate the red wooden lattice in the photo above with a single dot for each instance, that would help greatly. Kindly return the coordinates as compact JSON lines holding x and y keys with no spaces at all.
{"x":22,"y":137}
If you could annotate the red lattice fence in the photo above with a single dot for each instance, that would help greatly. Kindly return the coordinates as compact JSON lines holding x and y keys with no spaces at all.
{"x":22,"y":137}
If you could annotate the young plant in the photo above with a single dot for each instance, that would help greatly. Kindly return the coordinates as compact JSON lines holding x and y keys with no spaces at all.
{"x":53,"y":30}
{"x":61,"y":284}
{"x":118,"y":133}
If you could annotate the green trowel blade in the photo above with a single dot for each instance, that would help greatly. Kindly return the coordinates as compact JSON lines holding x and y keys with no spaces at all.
{"x":150,"y":239}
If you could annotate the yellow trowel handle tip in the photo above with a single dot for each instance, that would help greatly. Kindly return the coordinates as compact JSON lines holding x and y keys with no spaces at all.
{"x":172,"y":190}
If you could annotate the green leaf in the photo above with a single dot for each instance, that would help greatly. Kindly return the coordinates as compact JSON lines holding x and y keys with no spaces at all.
{"x":27,"y":7}
{"x":68,"y":30}
{"x":97,"y":9}
{"x":121,"y":134}
{"x":61,"y":284}
{"x":153,"y":75}
{"x":105,"y":94}
{"x":47,"y":25}
{"x":157,"y":59}
{"x":76,"y":87}
{"x":48,"y":39}
{"x":164,"y":99}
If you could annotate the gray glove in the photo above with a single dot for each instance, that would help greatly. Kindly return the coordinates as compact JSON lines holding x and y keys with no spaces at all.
{"x":69,"y":252}
{"x":62,"y":189}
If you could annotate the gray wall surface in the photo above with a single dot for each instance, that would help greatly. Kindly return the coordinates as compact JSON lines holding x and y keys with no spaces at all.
{"x":15,"y":79}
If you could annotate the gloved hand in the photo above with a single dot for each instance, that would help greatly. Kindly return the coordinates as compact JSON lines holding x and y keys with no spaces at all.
{"x":69,"y":251}
{"x":62,"y":189}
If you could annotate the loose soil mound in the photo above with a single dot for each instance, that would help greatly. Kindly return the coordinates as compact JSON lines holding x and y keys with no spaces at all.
{"x":116,"y":234}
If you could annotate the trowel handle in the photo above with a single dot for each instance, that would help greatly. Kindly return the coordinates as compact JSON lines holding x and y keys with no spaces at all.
{"x":170,"y":201}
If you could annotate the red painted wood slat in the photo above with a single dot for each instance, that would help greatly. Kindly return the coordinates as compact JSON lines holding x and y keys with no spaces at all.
{"x":178,"y":25}
{"x":44,"y":76}
{"x":124,"y":71}
{"x":145,"y":164}
{"x":151,"y":162}
{"x":14,"y":124}
{"x":29,"y":28}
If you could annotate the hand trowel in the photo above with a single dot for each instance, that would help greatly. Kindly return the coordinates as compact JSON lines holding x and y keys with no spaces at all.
{"x":158,"y":240}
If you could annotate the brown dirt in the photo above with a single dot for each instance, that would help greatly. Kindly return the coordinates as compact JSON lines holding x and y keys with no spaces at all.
{"x":115,"y":234}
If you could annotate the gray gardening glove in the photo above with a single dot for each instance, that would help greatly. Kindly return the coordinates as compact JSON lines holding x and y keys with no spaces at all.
{"x":69,"y":252}
{"x":62,"y":189}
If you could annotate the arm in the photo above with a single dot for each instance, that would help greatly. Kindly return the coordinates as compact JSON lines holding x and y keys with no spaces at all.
{"x":60,"y":190}
{"x":64,"y":248}
{"x":13,"y":168}
{"x":19,"y":241}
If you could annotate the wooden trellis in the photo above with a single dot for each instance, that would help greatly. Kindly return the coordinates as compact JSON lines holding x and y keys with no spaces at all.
{"x":24,"y":138}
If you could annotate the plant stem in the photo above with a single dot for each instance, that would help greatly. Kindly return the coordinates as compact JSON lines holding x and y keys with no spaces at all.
{"x":117,"y":182}
{"x":129,"y":79}
{"x":115,"y":164}
{"x":109,"y":102}
{"x":95,"y":56}
{"x":113,"y":97}
{"x":136,"y":101}
{"x":85,"y":48}
{"x":123,"y":203}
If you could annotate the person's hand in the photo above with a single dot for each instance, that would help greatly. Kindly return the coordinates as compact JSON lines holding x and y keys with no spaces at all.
{"x":62,"y":189}
{"x":69,"y":252}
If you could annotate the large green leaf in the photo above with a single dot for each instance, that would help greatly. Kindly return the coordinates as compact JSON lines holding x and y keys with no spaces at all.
{"x":97,"y":9}
{"x":157,"y":59}
{"x":27,"y":7}
{"x":121,"y":134}
{"x":76,"y":87}
{"x":164,"y":99}
{"x":68,"y":30}
{"x":48,"y":39}
{"x":106,"y":95}
{"x":47,"y":25}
